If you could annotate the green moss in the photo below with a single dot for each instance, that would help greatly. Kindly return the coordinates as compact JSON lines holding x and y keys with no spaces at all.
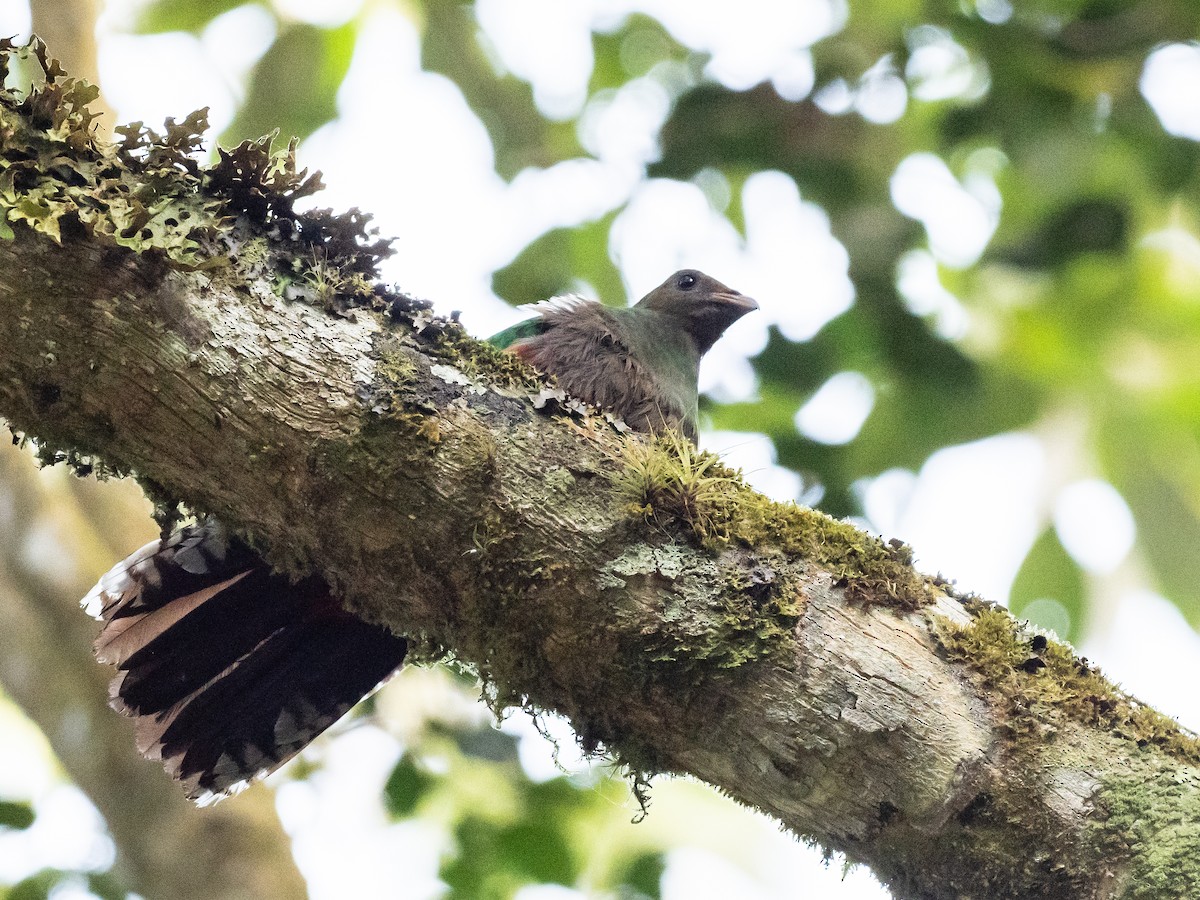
{"x":1153,"y":821}
{"x":668,"y":480}
{"x":326,"y":283}
{"x":560,"y":480}
{"x":678,"y":647}
{"x":727,"y":631}
{"x":1038,"y":679}
{"x":394,"y":396}
{"x":395,"y":367}
{"x":479,"y":359}
{"x":747,"y":616}
{"x":510,"y":669}
{"x":430,"y":430}
{"x":669,"y":484}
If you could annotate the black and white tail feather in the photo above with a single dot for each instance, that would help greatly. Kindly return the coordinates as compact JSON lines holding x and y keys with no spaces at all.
{"x":227,"y":668}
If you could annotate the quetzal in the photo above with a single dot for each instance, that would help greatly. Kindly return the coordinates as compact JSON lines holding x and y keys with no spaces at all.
{"x":229,"y":669}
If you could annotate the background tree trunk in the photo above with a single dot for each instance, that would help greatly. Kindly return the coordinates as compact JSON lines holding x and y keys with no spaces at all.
{"x":69,"y":27}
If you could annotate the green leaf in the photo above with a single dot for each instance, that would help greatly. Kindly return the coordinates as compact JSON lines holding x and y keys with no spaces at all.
{"x":539,"y":850}
{"x":405,"y":787}
{"x":181,"y":15}
{"x":36,"y":887}
{"x":1049,"y":573}
{"x":106,"y":887}
{"x":15,"y":815}
{"x":495,"y":860}
{"x":630,"y":51}
{"x":294,"y":86}
{"x":1163,"y":506}
{"x":641,"y":878}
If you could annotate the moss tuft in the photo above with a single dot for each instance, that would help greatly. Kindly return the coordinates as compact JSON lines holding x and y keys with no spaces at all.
{"x":396,"y":368}
{"x":671,"y":485}
{"x":326,"y":283}
{"x":1039,"y":679}
{"x":479,"y":359}
{"x":669,"y":480}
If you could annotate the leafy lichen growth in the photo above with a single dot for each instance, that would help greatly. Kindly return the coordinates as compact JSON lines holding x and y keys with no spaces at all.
{"x":57,"y":179}
{"x":669,"y":484}
{"x":331,"y":256}
{"x":1038,"y":679}
{"x":149,"y":193}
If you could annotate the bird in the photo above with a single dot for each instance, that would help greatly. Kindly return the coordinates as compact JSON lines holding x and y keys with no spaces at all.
{"x":229,"y":668}
{"x":641,"y":363}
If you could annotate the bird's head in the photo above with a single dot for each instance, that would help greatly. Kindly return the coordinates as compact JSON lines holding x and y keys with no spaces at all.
{"x":699,"y":304}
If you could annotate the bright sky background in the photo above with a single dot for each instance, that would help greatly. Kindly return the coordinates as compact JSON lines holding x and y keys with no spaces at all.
{"x":425,"y":170}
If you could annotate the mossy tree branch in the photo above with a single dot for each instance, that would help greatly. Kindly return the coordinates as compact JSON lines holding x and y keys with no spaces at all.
{"x":640,"y":589}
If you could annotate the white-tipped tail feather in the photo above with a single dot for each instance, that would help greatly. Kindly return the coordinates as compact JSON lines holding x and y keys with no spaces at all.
{"x":227,"y":668}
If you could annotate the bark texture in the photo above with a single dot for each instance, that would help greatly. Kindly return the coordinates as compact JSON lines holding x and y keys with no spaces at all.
{"x":677,"y":619}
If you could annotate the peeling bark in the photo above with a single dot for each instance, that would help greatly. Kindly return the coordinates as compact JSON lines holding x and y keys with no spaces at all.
{"x":441,"y":503}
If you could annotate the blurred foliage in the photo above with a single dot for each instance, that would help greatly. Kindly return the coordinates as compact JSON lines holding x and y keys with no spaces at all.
{"x":50,"y":883}
{"x":506,"y":830}
{"x":294,"y":86}
{"x":15,"y":815}
{"x":520,"y":135}
{"x":45,"y":883}
{"x":1049,"y":573}
{"x":1076,"y":303}
{"x":172,"y":15}
{"x":559,"y":259}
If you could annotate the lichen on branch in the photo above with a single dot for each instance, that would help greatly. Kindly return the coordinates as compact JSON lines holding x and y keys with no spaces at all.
{"x":149,"y":192}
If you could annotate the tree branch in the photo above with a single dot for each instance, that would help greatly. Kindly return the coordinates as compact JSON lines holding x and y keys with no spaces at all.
{"x":640,"y":589}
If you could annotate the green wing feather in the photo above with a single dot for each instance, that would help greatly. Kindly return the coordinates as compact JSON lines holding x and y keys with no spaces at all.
{"x":526,"y":329}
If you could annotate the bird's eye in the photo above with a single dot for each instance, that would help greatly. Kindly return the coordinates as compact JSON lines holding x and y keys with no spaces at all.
{"x":686,"y":282}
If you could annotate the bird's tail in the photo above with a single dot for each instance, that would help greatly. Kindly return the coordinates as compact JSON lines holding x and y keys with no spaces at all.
{"x":227,"y":668}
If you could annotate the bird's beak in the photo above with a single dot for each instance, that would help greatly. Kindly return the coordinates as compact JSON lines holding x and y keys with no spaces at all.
{"x":739,"y":302}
